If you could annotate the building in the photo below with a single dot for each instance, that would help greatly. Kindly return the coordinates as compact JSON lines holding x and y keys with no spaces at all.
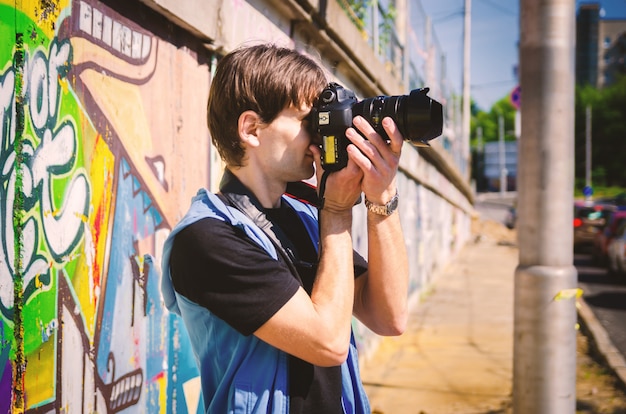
{"x":600,"y":47}
{"x":500,"y":163}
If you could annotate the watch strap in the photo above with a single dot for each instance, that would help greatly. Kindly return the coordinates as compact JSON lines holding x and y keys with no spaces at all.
{"x":383,"y":209}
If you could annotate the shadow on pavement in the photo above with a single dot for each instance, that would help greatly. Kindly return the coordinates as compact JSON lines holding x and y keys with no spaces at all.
{"x":591,"y":274}
{"x":610,"y":300}
{"x":583,"y":407}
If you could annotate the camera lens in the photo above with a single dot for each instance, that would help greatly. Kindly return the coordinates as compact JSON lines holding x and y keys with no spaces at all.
{"x":418,"y":117}
{"x":423,"y":117}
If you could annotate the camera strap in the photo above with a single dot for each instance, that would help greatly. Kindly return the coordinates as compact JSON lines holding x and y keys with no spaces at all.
{"x":235,"y":194}
{"x":322,"y":189}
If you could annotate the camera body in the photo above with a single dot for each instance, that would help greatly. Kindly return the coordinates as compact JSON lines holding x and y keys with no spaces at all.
{"x":418,"y":117}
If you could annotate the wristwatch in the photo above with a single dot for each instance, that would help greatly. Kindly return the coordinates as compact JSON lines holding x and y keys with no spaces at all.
{"x":385,"y":209}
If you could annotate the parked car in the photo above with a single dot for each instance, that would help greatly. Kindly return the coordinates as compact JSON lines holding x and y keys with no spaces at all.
{"x":511,"y":218}
{"x":616,"y":254}
{"x":603,"y":238}
{"x":589,"y":220}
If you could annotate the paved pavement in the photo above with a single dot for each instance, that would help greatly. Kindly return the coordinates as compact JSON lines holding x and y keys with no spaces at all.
{"x":456,"y":356}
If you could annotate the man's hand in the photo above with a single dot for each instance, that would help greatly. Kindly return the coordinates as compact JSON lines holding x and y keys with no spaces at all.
{"x":381,"y":293}
{"x":377,"y":159}
{"x":343,"y":187}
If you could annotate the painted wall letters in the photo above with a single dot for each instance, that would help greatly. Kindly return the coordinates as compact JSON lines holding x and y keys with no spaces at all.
{"x":94,"y":171}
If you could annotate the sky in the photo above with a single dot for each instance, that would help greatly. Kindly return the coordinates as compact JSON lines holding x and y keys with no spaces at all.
{"x":494,"y":45}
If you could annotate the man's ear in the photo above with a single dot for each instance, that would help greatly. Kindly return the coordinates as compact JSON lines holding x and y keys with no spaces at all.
{"x":249,"y":122}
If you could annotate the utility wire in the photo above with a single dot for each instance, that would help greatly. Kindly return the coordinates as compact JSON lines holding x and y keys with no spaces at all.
{"x":499,"y":7}
{"x":491,"y":84}
{"x":449,"y":16}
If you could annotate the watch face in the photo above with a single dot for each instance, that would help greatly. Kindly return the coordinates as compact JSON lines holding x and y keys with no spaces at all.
{"x":393,"y":204}
{"x":384,"y":210}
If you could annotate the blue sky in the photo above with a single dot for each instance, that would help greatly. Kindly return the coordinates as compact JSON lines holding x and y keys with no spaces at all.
{"x":495,"y":34}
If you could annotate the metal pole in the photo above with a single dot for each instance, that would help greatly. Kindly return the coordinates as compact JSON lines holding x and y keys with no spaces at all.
{"x":467,"y":30}
{"x":502,"y":155}
{"x":544,"y":354}
{"x":588,"y":146}
{"x":375,"y":26}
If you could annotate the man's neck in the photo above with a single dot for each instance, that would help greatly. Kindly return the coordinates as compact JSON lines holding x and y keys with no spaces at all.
{"x":266,"y":190}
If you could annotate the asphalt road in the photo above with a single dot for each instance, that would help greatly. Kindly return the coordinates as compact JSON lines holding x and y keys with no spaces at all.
{"x":606,"y":295}
{"x":494,"y":206}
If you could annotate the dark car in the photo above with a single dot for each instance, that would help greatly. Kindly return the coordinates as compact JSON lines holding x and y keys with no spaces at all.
{"x":589,"y":220}
{"x":616,"y":251}
{"x":603,"y":238}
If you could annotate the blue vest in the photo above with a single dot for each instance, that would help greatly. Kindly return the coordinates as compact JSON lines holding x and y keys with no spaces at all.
{"x":242,"y":374}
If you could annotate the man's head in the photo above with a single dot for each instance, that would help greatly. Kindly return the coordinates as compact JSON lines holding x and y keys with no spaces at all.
{"x":263,"y":78}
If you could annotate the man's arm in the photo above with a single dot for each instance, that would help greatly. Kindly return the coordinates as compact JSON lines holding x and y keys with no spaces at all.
{"x":380,"y":300}
{"x":317,"y":328}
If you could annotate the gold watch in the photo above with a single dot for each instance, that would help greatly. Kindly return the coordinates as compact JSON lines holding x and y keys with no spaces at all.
{"x":384,"y":209}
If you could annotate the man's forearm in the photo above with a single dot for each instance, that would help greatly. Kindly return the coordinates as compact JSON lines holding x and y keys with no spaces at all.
{"x":382,"y":300}
{"x":333,"y":291}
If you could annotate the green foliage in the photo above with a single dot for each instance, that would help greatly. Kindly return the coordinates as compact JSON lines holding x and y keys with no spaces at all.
{"x":359,"y":7}
{"x":358,"y":11}
{"x":599,"y":192}
{"x":489,"y":123}
{"x":386,"y":27}
{"x":608,"y":133}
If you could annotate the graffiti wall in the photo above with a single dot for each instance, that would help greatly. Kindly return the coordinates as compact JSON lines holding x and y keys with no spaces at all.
{"x":103,"y":142}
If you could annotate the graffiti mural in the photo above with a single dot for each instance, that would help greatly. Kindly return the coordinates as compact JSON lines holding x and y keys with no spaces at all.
{"x":103,"y":142}
{"x":101,"y":116}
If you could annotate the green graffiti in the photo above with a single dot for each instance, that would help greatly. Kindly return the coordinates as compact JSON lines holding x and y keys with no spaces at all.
{"x":19,"y":364}
{"x":45,"y":189}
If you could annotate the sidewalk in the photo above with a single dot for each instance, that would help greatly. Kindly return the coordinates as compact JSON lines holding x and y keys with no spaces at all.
{"x":456,"y":356}
{"x":457,"y":353}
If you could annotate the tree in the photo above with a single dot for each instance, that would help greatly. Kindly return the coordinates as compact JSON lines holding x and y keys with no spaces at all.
{"x":488,"y":121}
{"x":608,"y":134}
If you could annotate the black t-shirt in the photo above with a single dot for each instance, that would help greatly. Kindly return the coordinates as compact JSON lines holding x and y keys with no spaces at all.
{"x":217,"y":266}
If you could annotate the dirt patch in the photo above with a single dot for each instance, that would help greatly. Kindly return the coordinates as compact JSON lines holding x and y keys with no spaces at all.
{"x":597,"y":389}
{"x":493,"y":230}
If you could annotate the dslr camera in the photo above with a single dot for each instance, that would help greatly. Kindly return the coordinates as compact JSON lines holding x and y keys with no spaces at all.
{"x":418,"y":117}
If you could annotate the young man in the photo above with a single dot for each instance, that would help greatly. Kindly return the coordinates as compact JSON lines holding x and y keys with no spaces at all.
{"x":267,"y":284}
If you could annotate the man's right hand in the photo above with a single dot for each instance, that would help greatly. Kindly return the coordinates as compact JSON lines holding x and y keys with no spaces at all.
{"x":343,"y":187}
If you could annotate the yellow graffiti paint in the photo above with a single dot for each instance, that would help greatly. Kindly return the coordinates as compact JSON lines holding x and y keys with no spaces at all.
{"x":82,"y":217}
{"x":568,"y":294}
{"x":41,"y":372}
{"x":127,"y":115}
{"x":38,"y":284}
{"x":91,"y":265}
{"x":162,"y":384}
{"x":45,"y":14}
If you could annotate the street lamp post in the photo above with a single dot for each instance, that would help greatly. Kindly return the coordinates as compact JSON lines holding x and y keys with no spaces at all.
{"x":504,"y":173}
{"x":544,"y":355}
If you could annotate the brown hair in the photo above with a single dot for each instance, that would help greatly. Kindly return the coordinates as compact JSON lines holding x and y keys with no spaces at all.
{"x":263,"y":78}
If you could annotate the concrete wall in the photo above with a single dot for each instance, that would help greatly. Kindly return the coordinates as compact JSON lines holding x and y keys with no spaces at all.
{"x":103,"y":143}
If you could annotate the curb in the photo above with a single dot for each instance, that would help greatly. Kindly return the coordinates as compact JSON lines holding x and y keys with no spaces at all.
{"x":601,"y":342}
